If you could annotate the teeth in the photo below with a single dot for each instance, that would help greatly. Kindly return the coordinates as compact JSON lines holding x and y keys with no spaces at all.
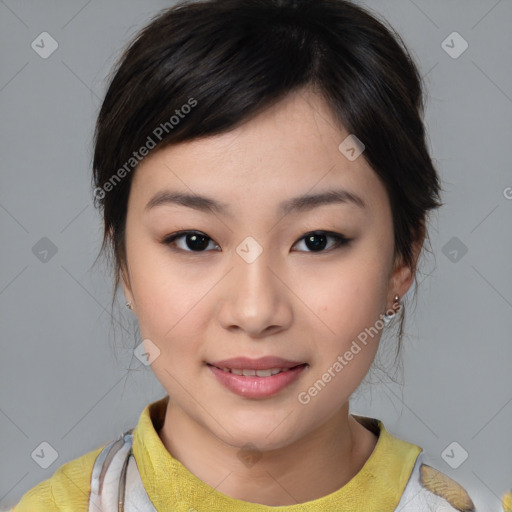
{"x":254,"y":373}
{"x":263,"y":373}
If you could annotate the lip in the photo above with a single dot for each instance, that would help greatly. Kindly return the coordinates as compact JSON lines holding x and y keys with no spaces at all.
{"x":255,"y":387}
{"x":262,"y":363}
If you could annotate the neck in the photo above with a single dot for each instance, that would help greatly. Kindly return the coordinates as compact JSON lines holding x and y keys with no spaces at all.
{"x":312,"y":467}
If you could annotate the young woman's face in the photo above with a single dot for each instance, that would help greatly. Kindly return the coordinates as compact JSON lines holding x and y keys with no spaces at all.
{"x":252,"y":281}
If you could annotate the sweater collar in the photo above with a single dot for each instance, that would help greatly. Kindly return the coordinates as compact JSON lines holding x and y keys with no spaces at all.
{"x":378,"y":486}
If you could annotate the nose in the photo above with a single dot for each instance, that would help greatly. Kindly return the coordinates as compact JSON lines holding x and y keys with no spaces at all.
{"x":255,"y":297}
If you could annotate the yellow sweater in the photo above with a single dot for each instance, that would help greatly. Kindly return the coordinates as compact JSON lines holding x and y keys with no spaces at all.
{"x":378,"y":486}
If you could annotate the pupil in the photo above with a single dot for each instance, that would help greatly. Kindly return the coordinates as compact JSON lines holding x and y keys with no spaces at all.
{"x":192,"y":242}
{"x":310,"y":242}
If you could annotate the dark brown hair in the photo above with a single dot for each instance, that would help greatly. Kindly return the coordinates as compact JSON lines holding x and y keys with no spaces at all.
{"x":202,"y":68}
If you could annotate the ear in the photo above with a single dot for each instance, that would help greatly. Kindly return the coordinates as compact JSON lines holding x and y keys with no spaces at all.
{"x":124,"y":279}
{"x":402,"y":275}
{"x":123,"y":274}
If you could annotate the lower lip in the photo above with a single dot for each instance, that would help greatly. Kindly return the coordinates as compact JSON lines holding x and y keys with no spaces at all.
{"x":257,"y":387}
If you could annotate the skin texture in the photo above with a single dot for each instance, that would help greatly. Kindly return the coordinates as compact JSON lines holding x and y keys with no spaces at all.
{"x":292,"y":301}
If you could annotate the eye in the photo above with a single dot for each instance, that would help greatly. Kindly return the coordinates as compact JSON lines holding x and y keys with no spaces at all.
{"x":195,"y":241}
{"x":317,"y":240}
{"x":191,"y":241}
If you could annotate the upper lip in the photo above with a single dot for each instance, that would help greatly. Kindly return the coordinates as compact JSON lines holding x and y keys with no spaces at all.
{"x":263,"y":363}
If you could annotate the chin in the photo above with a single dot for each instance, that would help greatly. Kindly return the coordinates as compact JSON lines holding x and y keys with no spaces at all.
{"x":264,"y":434}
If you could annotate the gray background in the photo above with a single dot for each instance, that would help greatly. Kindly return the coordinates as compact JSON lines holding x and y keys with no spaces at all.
{"x":68,"y":378}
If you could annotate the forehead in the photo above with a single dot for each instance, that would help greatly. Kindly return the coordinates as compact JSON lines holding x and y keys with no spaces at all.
{"x":288,"y":150}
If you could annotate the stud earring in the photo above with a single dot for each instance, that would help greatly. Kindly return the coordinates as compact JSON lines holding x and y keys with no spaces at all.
{"x":129,"y":305}
{"x":391,"y":313}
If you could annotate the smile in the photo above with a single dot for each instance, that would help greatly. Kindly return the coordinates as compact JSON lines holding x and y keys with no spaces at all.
{"x":257,"y":383}
{"x":257,"y":373}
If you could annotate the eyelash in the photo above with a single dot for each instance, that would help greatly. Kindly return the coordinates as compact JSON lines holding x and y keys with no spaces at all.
{"x":340,"y":240}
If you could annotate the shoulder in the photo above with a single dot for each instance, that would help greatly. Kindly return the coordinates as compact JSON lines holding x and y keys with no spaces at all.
{"x":67,"y":490}
{"x":428,"y":489}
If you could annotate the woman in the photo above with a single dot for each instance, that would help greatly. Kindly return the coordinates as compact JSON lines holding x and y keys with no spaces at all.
{"x":263,"y":176}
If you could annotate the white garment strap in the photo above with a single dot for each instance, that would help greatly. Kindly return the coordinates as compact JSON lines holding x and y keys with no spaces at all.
{"x":116,"y":485}
{"x":416,"y":497}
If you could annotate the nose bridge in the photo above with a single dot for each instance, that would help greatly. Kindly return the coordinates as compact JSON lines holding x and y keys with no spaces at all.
{"x":254,"y":297}
{"x":252,"y":274}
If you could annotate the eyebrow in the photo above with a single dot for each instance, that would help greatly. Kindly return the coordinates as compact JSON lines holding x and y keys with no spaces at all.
{"x":296,"y":204}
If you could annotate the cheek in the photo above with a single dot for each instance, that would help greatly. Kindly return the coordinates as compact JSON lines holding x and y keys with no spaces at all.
{"x":347,"y":340}
{"x":348,"y":301}
{"x":349,"y":296}
{"x":167,"y":296}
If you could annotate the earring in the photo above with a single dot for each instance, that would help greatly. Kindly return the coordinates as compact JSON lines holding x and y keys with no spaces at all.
{"x":397,"y":305}
{"x":129,"y":305}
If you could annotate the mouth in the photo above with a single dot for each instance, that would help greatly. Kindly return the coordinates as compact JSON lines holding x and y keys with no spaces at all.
{"x":257,"y":378}
{"x":268,"y":363}
{"x":252,"y":372}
